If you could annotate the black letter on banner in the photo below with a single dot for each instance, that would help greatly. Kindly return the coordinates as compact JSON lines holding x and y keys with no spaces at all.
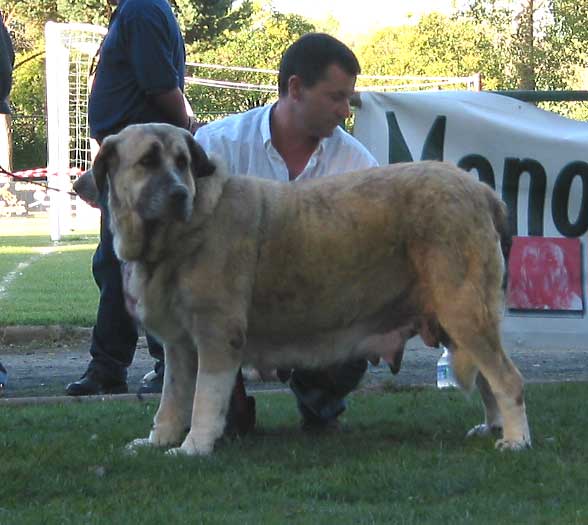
{"x":435,"y":141}
{"x":513,"y":169}
{"x":561,"y":199}
{"x":398,"y":149}
{"x":481,"y":165}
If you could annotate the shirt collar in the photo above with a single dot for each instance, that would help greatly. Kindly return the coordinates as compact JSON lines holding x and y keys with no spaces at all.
{"x":266,"y":133}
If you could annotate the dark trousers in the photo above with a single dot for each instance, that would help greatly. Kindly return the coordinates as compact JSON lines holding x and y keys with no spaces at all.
{"x":320,"y":394}
{"x":114,"y":337}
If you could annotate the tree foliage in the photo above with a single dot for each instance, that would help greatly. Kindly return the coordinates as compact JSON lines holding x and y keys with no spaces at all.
{"x":202,"y":21}
{"x":523,"y":44}
{"x":258,"y":45}
{"x":207,"y":22}
{"x":435,"y":46}
{"x":26,"y":21}
{"x":541,"y":43}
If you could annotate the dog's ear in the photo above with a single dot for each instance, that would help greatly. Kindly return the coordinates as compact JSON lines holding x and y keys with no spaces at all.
{"x":104,"y":161}
{"x":201,"y":164}
{"x":85,"y":187}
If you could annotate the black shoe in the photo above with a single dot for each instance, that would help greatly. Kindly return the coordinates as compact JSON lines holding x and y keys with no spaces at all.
{"x":316,"y":426}
{"x":152,"y":383}
{"x":94,"y":383}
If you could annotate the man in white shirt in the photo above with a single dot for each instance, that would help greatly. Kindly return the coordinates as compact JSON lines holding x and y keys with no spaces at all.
{"x":298,"y":138}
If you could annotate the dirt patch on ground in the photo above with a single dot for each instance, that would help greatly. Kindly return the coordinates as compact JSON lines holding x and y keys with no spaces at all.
{"x":43,"y":362}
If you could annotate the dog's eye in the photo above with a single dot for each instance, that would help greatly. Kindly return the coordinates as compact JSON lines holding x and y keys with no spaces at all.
{"x":150,"y":159}
{"x":181,"y":162}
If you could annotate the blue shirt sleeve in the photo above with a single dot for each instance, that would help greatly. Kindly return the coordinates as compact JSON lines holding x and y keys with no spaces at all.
{"x":150,"y":48}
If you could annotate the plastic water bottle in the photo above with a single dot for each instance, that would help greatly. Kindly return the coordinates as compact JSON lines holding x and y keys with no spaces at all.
{"x":445,"y":378}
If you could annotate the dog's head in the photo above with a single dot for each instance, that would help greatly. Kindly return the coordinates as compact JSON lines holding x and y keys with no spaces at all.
{"x":151,"y":172}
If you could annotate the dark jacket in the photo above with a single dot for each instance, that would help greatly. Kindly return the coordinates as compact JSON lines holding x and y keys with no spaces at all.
{"x":6,"y":66}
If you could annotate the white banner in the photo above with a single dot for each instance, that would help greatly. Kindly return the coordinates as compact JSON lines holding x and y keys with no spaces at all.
{"x":536,"y":160}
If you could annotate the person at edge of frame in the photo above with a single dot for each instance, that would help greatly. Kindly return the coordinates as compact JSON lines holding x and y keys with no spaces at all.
{"x":6,"y":67}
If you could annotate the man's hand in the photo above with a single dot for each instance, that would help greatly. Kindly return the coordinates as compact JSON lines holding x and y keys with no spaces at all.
{"x":193,"y":124}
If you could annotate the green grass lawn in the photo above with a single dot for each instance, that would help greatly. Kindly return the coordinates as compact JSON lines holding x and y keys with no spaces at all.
{"x":44,"y":282}
{"x":403,"y":459}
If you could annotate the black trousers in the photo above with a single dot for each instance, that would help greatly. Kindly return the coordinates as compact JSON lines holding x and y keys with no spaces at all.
{"x":114,"y":337}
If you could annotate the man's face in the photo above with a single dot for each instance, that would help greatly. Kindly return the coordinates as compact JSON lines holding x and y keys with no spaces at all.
{"x":325,"y":105}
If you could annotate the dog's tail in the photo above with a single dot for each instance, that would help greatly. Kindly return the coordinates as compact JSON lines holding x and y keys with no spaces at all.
{"x":499,"y":213}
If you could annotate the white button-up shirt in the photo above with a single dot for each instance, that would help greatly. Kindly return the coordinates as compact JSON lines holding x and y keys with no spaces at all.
{"x":244,"y":142}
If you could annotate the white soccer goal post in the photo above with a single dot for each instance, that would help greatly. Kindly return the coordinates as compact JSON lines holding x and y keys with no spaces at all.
{"x":70,"y":51}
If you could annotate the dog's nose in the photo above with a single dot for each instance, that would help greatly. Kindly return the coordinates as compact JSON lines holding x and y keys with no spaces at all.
{"x":178,"y":195}
{"x":179,"y":201}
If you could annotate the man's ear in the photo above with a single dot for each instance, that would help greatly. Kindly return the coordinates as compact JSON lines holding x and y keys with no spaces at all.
{"x":200,"y":163}
{"x":295,"y":86}
{"x":104,"y":161}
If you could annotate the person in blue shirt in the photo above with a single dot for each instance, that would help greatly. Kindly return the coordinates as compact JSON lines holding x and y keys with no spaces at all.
{"x":139,"y":78}
{"x":6,"y":66}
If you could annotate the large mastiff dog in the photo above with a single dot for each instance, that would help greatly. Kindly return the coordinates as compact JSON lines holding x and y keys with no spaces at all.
{"x":228,"y":270}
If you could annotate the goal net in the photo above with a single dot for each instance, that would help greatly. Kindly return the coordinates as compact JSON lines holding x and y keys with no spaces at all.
{"x":70,"y":51}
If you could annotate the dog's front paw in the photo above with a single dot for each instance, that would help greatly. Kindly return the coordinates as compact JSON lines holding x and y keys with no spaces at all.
{"x":166,"y":435}
{"x":132,"y":447}
{"x":189,"y":451}
{"x":509,"y":444}
{"x":483,"y":430}
{"x":161,"y":436}
{"x":193,"y":446}
{"x":176,"y":451}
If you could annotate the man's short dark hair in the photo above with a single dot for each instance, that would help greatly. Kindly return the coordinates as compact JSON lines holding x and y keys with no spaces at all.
{"x":311,"y":55}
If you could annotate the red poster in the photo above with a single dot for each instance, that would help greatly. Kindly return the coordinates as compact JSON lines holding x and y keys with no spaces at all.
{"x":545,"y":273}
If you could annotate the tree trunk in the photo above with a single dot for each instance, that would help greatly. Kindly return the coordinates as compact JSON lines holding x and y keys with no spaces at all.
{"x":525,"y":46}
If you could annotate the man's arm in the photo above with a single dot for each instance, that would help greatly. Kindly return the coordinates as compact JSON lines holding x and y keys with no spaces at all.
{"x":172,"y":104}
{"x":152,"y":58}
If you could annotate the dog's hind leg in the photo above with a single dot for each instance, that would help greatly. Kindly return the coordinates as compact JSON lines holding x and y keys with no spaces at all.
{"x":172,"y":420}
{"x":464,"y":368}
{"x":501,"y":389}
{"x":465,"y":294}
{"x":466,"y":373}
{"x":493,"y":418}
{"x":506,"y":384}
